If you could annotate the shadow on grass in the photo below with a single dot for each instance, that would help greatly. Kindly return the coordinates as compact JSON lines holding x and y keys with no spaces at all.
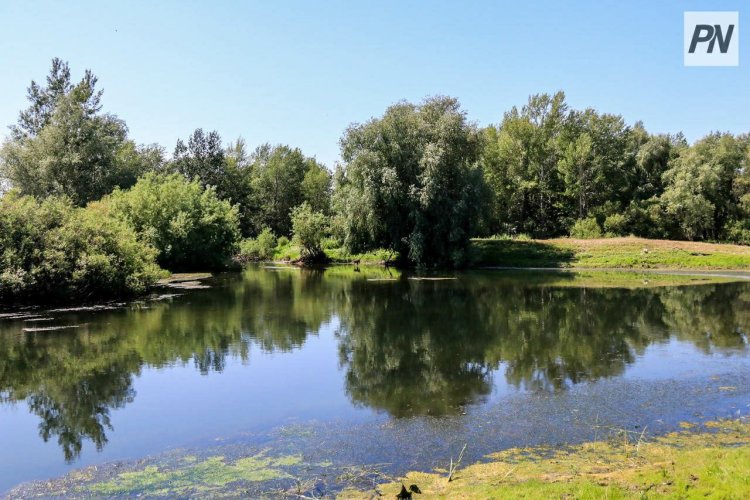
{"x":519,"y":253}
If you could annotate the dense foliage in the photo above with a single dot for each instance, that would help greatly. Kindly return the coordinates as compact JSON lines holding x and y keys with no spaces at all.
{"x":64,"y":145}
{"x":309,"y":228}
{"x":190,"y":227}
{"x":419,"y":181}
{"x":258,"y":248}
{"x":281,"y":179}
{"x":410,"y":182}
{"x":550,"y":167}
{"x":53,"y":250}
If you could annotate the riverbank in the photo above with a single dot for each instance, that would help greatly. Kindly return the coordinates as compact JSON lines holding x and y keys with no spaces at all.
{"x":711,"y":460}
{"x":629,"y":253}
{"x":610,"y":253}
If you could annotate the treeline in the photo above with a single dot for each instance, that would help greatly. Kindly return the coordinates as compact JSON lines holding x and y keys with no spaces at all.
{"x":419,"y":181}
{"x":555,"y":171}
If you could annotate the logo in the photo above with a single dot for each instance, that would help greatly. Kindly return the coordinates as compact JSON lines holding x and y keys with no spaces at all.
{"x":712,"y":39}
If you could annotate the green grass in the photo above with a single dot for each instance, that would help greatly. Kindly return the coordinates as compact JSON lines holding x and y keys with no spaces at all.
{"x":291,"y":252}
{"x":711,"y":463}
{"x":614,"y":253}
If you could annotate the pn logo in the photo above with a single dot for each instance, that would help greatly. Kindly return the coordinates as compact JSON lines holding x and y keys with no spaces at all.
{"x":712,"y":39}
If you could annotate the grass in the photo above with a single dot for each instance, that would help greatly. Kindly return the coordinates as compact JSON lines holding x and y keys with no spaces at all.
{"x":613,"y":253}
{"x":713,"y":462}
{"x":291,"y":252}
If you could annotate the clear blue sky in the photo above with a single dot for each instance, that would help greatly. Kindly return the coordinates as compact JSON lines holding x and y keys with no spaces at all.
{"x":300,"y":72}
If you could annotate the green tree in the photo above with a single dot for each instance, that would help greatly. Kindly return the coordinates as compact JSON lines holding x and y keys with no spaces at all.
{"x":411,"y":182}
{"x":44,"y":99}
{"x":739,"y":229}
{"x":51,"y":250}
{"x":189,"y":225}
{"x":316,"y":187}
{"x":520,"y":160}
{"x":201,"y":158}
{"x":699,"y":193}
{"x":64,"y":145}
{"x":283,"y":178}
{"x":309,"y":228}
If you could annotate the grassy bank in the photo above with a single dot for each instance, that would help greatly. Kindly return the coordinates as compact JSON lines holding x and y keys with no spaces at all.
{"x":625,"y":253}
{"x":563,"y":253}
{"x":288,"y":251}
{"x":713,"y":462}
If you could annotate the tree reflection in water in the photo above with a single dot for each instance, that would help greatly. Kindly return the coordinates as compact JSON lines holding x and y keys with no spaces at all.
{"x":407,"y":347}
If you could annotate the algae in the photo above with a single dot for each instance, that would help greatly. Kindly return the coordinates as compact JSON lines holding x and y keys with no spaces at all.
{"x":194,"y":476}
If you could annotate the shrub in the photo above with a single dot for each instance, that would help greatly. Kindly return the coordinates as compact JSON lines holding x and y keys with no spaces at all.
{"x":586,"y":229}
{"x":309,"y":229}
{"x":283,"y":241}
{"x":190,"y":227}
{"x":52,"y":250}
{"x":739,"y":233}
{"x":260,"y":248}
{"x":616,"y":224}
{"x":331,"y":243}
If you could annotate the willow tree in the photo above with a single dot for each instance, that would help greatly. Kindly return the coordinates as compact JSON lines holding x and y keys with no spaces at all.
{"x":410,"y":183}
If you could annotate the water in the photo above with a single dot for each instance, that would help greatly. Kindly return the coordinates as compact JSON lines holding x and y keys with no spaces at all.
{"x":369,"y":367}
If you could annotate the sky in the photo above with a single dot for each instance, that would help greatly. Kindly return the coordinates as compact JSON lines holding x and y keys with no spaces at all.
{"x":299,"y":73}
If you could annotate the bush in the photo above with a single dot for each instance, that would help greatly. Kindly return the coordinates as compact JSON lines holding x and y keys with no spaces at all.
{"x":283,"y":241}
{"x":52,"y":250}
{"x":739,"y":233}
{"x":331,"y":243}
{"x":616,"y":224}
{"x":309,"y":229}
{"x":260,"y":248}
{"x":190,"y":227}
{"x":586,"y":229}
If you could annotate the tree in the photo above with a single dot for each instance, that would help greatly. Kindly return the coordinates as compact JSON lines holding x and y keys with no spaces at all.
{"x":309,"y":228}
{"x":699,"y":186}
{"x":190,"y":226}
{"x":581,"y":176}
{"x":44,"y":100}
{"x":51,"y":250}
{"x":739,"y":229}
{"x":411,"y":182}
{"x":520,"y":160}
{"x":202,"y":158}
{"x":316,"y":187}
{"x":63,"y":145}
{"x":283,"y":178}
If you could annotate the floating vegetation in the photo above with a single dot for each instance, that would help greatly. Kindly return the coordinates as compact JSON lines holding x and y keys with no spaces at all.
{"x":186,"y":475}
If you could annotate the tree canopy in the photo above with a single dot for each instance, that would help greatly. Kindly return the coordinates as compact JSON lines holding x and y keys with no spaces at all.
{"x":418,"y":181}
{"x":64,"y":145}
{"x":411,"y":183}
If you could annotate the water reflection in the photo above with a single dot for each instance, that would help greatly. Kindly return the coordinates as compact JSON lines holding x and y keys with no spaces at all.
{"x":406,"y":347}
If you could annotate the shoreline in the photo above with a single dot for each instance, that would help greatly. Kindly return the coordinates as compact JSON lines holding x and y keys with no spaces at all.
{"x":709,"y":459}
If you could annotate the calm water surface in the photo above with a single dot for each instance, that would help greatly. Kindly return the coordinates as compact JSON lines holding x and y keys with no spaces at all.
{"x":383,"y":368}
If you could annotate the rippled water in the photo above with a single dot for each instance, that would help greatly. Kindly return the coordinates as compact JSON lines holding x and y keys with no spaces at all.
{"x":369,"y":367}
